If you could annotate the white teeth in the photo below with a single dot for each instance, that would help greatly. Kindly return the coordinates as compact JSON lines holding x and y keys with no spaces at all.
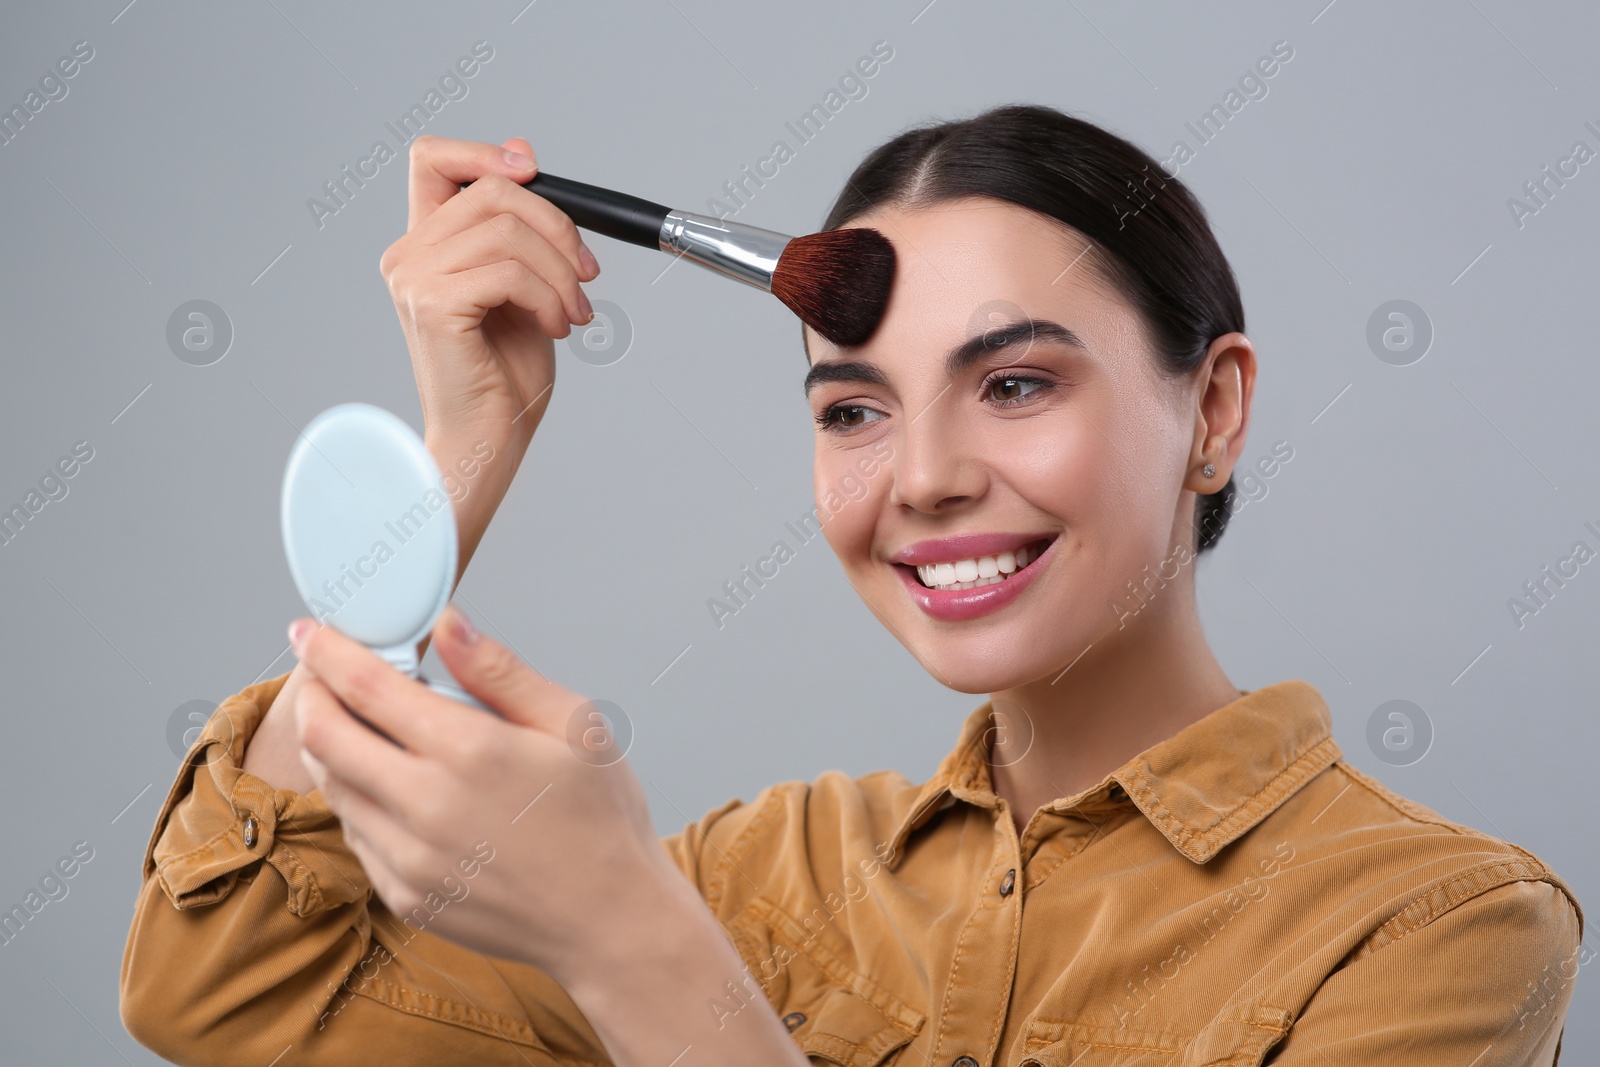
{"x":970,"y":573}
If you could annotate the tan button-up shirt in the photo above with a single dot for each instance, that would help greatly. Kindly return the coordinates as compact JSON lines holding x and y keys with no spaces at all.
{"x":1236,"y":894}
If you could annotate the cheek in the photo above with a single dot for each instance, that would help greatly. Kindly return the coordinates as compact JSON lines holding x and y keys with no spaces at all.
{"x":846,"y":503}
{"x":1059,"y":469}
{"x":1100,"y":469}
{"x":1067,"y":469}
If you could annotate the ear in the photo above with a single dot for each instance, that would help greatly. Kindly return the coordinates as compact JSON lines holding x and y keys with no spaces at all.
{"x":1222,"y":414}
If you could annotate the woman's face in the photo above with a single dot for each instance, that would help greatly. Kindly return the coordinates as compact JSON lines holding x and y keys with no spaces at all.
{"x":1029,"y":443}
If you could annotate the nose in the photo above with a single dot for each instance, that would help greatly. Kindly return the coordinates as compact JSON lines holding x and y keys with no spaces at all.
{"x":936,"y":468}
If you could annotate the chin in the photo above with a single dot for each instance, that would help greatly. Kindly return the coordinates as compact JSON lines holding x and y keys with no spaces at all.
{"x":976,"y":671}
{"x":970,"y":659}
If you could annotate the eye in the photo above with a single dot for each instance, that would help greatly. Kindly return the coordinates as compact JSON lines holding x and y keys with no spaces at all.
{"x":1012,"y":382}
{"x":830,"y":420}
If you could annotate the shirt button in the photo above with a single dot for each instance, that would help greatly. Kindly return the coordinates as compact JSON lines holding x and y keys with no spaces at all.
{"x":250,"y":827}
{"x":963,"y":1061}
{"x":794,"y":1019}
{"x":1005,"y":890}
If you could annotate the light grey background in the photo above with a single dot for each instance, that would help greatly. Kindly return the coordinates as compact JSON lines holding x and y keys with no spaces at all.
{"x":1379,"y":566}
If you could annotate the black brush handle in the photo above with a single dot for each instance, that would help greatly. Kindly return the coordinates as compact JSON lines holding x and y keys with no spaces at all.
{"x":626,"y":218}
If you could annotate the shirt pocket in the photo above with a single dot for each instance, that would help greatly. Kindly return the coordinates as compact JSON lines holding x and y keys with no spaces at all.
{"x":1058,"y":1043}
{"x":843,"y":1027}
{"x":1240,"y":1038}
{"x":834,"y":1013}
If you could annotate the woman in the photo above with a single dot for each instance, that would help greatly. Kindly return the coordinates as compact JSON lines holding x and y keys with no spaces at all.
{"x":1125,"y":859}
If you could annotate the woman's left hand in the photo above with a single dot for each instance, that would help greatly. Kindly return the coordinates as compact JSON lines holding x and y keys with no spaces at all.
{"x":520,"y":837}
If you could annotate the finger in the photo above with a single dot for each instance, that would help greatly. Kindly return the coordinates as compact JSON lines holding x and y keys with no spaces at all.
{"x":506,"y":236}
{"x":439,"y":165}
{"x":371,"y":687}
{"x":495,"y":675}
{"x":389,"y":809}
{"x":588,"y":266}
{"x":493,"y":195}
{"x":339,"y":751}
{"x":519,"y":145}
{"x":385,"y":882}
{"x":510,"y":281}
{"x":380,"y":839}
{"x":314,"y":767}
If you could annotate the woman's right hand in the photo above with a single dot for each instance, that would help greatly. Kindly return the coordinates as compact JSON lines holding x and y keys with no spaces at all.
{"x":483,"y":279}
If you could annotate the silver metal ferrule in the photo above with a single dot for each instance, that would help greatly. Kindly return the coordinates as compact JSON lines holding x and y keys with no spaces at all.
{"x":746,"y":253}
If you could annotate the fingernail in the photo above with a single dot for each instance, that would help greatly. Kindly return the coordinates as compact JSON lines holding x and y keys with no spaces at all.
{"x":517,"y":161}
{"x":586,"y":257}
{"x":297,"y":633}
{"x":462,"y":627}
{"x":584,"y":305}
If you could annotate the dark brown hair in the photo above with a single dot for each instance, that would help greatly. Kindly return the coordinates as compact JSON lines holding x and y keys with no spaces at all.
{"x":1161,"y":253}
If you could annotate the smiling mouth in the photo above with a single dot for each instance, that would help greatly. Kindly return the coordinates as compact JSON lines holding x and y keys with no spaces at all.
{"x":979,"y":571}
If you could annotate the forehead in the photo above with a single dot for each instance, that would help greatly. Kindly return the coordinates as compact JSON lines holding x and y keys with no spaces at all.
{"x":964,"y":266}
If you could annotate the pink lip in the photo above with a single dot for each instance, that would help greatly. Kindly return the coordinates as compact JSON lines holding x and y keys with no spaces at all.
{"x":958,"y":605}
{"x":967,"y":546}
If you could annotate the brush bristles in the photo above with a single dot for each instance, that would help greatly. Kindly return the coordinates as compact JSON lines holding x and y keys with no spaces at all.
{"x":837,"y":282}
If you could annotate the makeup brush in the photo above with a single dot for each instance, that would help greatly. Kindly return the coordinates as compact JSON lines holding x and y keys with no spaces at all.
{"x":836,"y":281}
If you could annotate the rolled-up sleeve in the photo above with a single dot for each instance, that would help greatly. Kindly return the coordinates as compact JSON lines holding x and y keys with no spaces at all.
{"x":257,"y":938}
{"x":218,"y":821}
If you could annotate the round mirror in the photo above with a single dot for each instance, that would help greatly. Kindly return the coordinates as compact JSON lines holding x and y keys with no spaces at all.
{"x":369,"y":530}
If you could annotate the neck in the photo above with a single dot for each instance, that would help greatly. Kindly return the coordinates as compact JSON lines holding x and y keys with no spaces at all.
{"x":1136,"y":685}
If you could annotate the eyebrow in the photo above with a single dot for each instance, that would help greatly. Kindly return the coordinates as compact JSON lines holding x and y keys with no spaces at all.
{"x":958,"y":359}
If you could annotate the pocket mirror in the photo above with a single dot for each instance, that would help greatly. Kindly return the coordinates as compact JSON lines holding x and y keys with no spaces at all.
{"x":370,"y":533}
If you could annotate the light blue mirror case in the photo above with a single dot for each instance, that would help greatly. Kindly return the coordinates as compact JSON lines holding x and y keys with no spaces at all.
{"x":370,"y":533}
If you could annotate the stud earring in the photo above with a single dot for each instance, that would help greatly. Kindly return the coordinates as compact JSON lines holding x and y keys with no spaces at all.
{"x":1209,"y":469}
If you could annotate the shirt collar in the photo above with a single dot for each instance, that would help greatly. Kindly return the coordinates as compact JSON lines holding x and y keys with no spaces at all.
{"x":1203,"y":787}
